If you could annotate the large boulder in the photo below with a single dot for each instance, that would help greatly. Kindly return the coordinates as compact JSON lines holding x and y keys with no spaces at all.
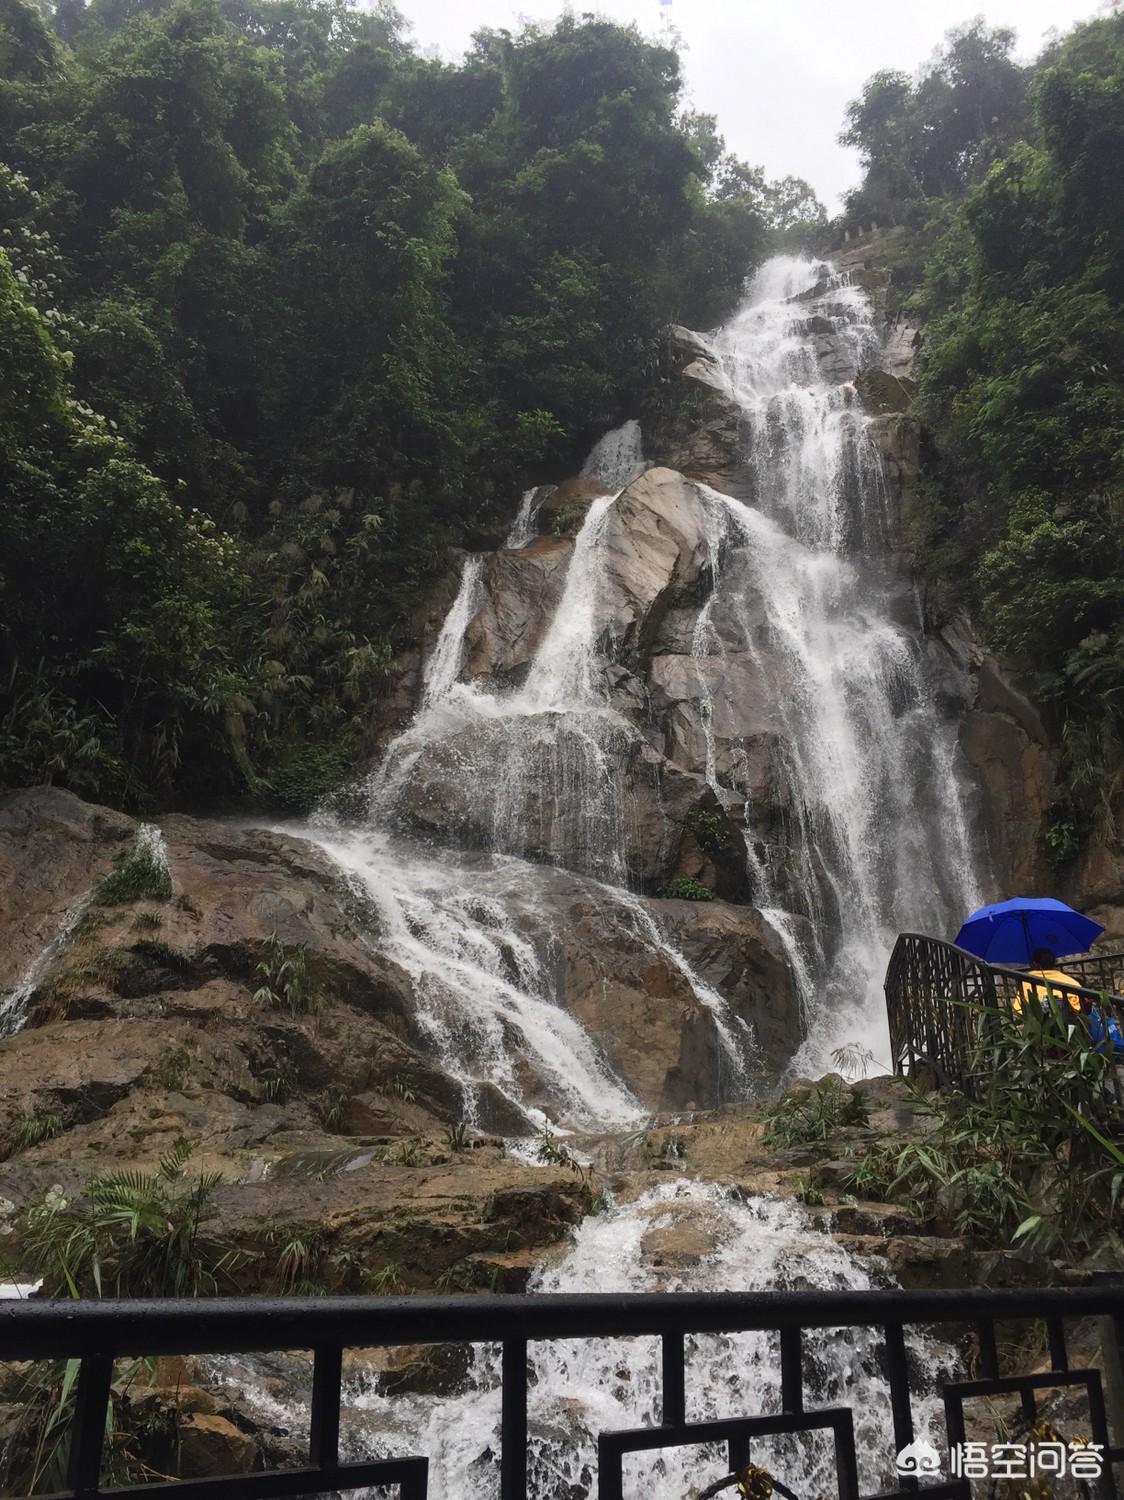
{"x":655,"y":547}
{"x":520,"y":592}
{"x":734,"y":950}
{"x":692,"y":1002}
{"x":586,"y":792}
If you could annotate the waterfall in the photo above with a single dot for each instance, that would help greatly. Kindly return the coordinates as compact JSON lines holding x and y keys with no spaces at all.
{"x":877,"y":838}
{"x":578,"y":1388}
{"x":15,"y":1006}
{"x":617,"y":459}
{"x":846,"y":783}
{"x":146,"y":859}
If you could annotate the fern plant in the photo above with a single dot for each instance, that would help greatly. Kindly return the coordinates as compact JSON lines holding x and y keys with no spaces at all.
{"x":133,"y":1234}
{"x":284,"y":977}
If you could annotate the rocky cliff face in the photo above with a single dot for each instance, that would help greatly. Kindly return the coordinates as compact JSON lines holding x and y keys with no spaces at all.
{"x":571,"y":823}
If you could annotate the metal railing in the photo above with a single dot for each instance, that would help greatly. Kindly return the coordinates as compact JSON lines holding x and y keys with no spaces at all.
{"x":98,"y":1333}
{"x":937,"y":995}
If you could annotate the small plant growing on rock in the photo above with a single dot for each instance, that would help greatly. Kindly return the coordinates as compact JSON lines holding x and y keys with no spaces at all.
{"x":162,"y":955}
{"x":36,"y":1128}
{"x":553,"y":1151}
{"x":812,"y":1112}
{"x":687,"y":888}
{"x":298,"y":1256}
{"x":389,"y":1279}
{"x":456,"y":1136}
{"x":284,"y":978}
{"x":332,"y":1101}
{"x":712,"y":832}
{"x":140,"y":874}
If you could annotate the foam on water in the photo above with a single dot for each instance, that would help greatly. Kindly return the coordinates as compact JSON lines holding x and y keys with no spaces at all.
{"x":579,"y":1388}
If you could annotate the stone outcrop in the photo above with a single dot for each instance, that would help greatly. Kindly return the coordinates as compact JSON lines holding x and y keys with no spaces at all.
{"x":521,"y":591}
{"x":146,"y":1025}
{"x":53,"y":848}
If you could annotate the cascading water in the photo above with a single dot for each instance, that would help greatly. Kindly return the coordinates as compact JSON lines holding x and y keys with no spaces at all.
{"x":876,"y":839}
{"x":150,"y":850}
{"x":581,"y":1387}
{"x":16,"y":1006}
{"x":483,"y":992}
{"x":864,"y":833}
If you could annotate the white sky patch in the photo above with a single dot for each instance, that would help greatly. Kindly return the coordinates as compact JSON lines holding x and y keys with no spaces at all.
{"x":778,"y":77}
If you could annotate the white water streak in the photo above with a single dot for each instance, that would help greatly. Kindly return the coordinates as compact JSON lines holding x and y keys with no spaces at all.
{"x":877,"y":837}
{"x":14,"y":1008}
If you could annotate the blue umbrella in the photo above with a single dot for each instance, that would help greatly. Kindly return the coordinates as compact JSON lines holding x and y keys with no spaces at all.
{"x":1007,"y":932}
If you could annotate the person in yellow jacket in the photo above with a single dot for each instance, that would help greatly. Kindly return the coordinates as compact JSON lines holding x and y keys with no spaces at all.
{"x":1044,"y":967}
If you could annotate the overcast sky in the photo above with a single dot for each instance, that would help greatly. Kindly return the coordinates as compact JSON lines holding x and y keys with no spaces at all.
{"x":777,"y":73}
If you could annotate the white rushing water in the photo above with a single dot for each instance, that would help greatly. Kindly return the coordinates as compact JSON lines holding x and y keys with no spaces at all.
{"x":867,"y":832}
{"x":676,"y":1237}
{"x":877,"y":839}
{"x":148,"y":847}
{"x":16,"y":1005}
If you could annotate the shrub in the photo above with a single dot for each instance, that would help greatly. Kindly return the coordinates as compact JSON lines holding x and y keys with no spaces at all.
{"x":285,"y":978}
{"x":140,"y":873}
{"x":812,"y":1113}
{"x":132,"y":1234}
{"x":1033,"y":1157}
{"x":687,"y":888}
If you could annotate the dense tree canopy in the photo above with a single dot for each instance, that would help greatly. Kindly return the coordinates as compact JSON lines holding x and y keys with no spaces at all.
{"x":285,"y":309}
{"x":1009,"y":183}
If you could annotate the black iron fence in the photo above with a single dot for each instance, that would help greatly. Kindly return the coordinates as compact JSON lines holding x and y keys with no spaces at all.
{"x":937,"y":997}
{"x":1022,"y":1348}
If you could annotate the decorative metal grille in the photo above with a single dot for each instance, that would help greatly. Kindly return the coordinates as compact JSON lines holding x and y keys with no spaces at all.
{"x":937,"y":996}
{"x":97,"y":1333}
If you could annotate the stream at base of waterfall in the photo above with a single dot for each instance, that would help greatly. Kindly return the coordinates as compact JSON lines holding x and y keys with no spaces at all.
{"x":678,"y":1236}
{"x":794,"y":643}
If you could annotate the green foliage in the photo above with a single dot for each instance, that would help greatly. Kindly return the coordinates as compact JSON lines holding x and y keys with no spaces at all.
{"x":926,"y":139}
{"x":1064,"y":836}
{"x":1008,"y":182}
{"x":456,"y":1136}
{"x":132,"y":1234}
{"x":36,"y":1128}
{"x":1033,"y":1158}
{"x":140,"y":874}
{"x":557,"y":1154}
{"x":687,"y":888}
{"x":284,"y":976}
{"x":299,"y":785}
{"x":712,"y":831}
{"x":285,"y":310}
{"x":333,"y":1098}
{"x":811,"y":1113}
{"x":388,"y":1279}
{"x":162,"y":954}
{"x":45,"y":1392}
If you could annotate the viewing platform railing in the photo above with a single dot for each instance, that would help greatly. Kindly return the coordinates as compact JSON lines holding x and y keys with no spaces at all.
{"x":937,"y":996}
{"x":1016,"y":1354}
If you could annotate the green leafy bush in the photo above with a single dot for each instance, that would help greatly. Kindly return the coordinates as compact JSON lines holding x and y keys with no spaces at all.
{"x":131,"y":1234}
{"x":284,"y":978}
{"x":140,"y":874}
{"x":1034,"y":1157}
{"x":687,"y":888}
{"x":811,"y":1112}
